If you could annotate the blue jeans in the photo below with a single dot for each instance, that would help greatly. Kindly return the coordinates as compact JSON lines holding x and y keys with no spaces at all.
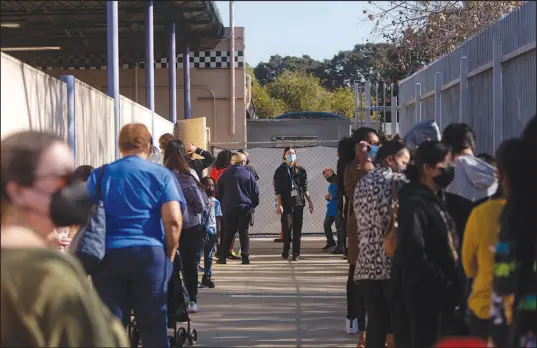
{"x":137,"y":278}
{"x":208,"y":249}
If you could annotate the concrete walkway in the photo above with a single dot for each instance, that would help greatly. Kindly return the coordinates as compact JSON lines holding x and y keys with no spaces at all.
{"x":276,"y":303}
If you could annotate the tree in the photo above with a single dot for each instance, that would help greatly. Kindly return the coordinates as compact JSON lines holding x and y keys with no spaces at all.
{"x":342,"y":102}
{"x":300,"y":91}
{"x":422,"y":31}
{"x":268,"y":72}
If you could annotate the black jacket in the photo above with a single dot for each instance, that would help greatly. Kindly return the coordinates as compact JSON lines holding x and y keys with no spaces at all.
{"x":282,"y":183}
{"x":424,"y":264}
{"x":200,"y":164}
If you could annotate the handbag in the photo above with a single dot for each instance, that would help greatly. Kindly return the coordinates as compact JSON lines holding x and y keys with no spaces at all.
{"x":390,"y":236}
{"x":88,"y":245}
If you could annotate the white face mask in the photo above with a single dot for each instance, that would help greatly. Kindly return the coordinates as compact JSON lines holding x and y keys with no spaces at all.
{"x":291,"y":158}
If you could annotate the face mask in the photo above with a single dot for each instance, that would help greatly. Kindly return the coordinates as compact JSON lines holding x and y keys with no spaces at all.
{"x":70,"y":205}
{"x":445,"y":177}
{"x":291,"y":158}
{"x":373,"y":149}
{"x":209,"y":192}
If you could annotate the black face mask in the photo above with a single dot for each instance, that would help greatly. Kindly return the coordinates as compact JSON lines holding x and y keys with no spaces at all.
{"x":445,"y":177}
{"x":330,"y":178}
{"x":71,"y":205}
{"x":247,"y":161}
{"x":209,"y":192}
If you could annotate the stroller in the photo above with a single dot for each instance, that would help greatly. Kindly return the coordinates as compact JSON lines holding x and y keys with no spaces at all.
{"x":177,"y":312}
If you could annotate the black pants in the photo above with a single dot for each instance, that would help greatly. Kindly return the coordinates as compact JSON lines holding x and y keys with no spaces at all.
{"x":190,"y":243}
{"x":292,"y":225}
{"x":377,"y":302}
{"x":417,"y":323}
{"x":328,"y":222}
{"x":237,"y":219}
{"x":355,"y":300}
{"x":341,"y":230}
{"x":479,"y":327}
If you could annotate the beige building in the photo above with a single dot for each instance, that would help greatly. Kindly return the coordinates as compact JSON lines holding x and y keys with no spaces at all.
{"x":210,"y":75}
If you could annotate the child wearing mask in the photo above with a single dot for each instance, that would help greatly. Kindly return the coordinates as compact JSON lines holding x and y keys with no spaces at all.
{"x":211,"y":220}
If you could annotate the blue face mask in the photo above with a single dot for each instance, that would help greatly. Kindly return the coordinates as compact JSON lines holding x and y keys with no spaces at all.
{"x":373,"y":149}
{"x":291,"y":158}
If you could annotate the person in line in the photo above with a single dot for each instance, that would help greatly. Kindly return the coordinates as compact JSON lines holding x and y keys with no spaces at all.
{"x":223,"y":161}
{"x":164,"y":140}
{"x":191,"y":241}
{"x":474,"y":182}
{"x":81,"y":173}
{"x":361,"y":164}
{"x":331,"y":209}
{"x":515,"y":266}
{"x":211,"y":220}
{"x":291,"y":186}
{"x":426,"y":283}
{"x":345,"y":154}
{"x":373,"y":209}
{"x":197,"y":166}
{"x":238,"y":194}
{"x":249,"y":166}
{"x":143,"y":209}
{"x":481,"y":237}
{"x":45,"y":299}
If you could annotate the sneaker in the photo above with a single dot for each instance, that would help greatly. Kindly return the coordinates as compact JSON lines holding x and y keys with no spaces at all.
{"x":351,"y":326}
{"x":206,"y":281}
{"x":233,"y":256}
{"x":193,"y":307}
{"x":296,"y":257}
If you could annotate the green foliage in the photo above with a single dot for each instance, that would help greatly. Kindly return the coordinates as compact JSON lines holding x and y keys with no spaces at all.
{"x":300,"y":91}
{"x":286,"y":84}
{"x":342,"y":102}
{"x":265,"y":105}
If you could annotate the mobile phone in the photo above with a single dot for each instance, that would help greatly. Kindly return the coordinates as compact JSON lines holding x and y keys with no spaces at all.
{"x":373,"y":149}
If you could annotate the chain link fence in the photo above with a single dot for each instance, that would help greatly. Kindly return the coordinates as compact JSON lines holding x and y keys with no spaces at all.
{"x":313,"y":156}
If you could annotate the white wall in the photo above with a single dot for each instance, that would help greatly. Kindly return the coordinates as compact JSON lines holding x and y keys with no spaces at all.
{"x":34,"y":100}
{"x":31,"y":99}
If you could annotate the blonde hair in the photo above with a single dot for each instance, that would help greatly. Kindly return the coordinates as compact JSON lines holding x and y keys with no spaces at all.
{"x":237,"y":158}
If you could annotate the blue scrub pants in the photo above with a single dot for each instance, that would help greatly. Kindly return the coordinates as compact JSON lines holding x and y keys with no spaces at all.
{"x":137,"y":278}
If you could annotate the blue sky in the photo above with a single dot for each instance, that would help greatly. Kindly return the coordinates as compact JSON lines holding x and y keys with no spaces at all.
{"x":319,"y":29}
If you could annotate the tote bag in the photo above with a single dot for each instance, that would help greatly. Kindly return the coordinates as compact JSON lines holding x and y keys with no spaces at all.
{"x":89,"y":242}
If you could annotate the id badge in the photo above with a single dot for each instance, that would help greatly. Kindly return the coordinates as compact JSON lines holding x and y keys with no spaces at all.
{"x":294,"y":193}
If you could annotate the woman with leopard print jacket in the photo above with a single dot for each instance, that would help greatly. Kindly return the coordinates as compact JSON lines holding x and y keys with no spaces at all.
{"x":372,"y":207}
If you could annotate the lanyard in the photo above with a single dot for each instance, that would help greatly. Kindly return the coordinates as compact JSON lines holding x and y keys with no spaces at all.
{"x":291,"y":178}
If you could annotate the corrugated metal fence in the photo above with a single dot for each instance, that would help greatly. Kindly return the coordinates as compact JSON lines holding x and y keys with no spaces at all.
{"x":497,"y":95}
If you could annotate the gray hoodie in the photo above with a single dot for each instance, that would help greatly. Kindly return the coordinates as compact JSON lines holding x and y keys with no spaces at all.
{"x":474,"y":182}
{"x":474,"y":179}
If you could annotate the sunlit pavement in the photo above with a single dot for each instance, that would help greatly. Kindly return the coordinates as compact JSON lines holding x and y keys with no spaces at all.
{"x":276,"y":303}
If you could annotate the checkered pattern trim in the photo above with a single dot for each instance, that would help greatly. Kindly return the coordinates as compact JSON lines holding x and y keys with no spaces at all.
{"x":199,"y":60}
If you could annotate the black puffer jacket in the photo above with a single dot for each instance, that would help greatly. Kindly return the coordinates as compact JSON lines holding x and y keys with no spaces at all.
{"x":424,"y":264}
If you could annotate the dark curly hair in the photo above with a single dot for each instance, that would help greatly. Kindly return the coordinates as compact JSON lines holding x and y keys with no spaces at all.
{"x":223,"y":159}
